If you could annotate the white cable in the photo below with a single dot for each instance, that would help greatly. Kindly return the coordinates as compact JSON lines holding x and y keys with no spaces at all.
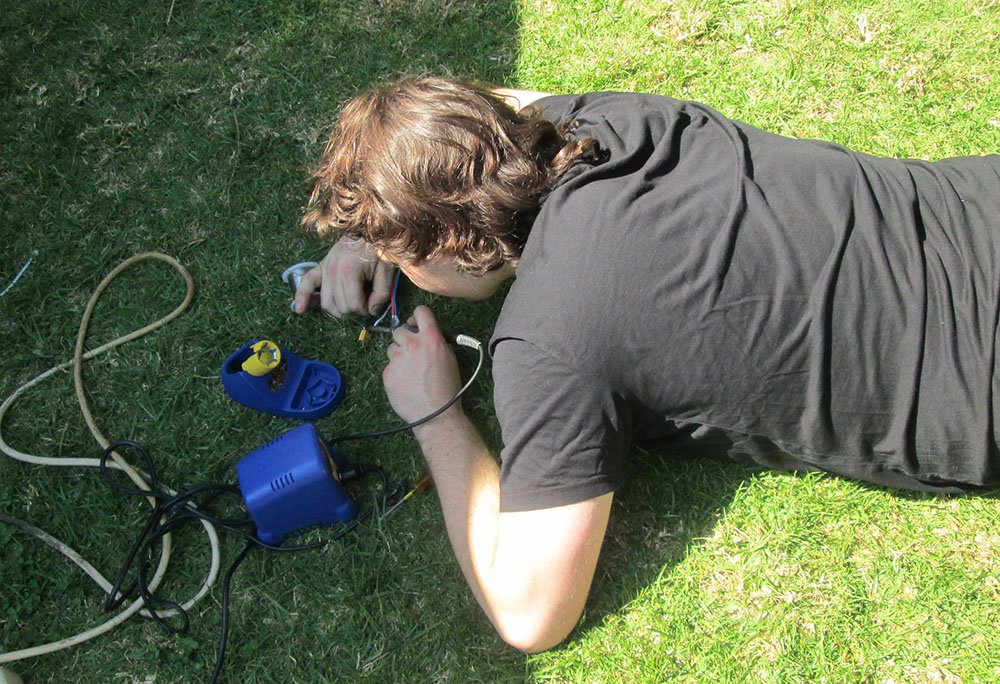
{"x":62,"y":548}
{"x":24,"y":268}
{"x":117,"y":463}
{"x":91,"y":572}
{"x":130,"y":610}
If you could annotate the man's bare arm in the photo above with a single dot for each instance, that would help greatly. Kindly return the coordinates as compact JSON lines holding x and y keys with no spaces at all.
{"x":519,"y":99}
{"x":530,"y":571}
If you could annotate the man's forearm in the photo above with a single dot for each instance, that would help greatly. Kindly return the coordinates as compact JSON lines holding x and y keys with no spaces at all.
{"x":467,"y":481}
{"x":530,"y":571}
{"x":519,"y":99}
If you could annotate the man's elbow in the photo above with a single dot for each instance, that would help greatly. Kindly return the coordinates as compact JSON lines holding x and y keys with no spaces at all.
{"x":535,"y":633}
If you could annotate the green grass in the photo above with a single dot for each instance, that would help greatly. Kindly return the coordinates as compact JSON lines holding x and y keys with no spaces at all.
{"x":190,"y":128}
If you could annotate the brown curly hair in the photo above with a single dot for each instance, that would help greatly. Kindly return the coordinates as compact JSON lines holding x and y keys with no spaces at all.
{"x":432,"y":166}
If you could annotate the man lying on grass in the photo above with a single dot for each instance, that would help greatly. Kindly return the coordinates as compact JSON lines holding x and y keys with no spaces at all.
{"x":680,"y":278}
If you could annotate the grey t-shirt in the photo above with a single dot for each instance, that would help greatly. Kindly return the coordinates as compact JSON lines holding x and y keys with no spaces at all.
{"x":787,"y":302}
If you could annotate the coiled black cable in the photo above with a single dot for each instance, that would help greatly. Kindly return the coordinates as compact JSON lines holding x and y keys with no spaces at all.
{"x":173,"y":511}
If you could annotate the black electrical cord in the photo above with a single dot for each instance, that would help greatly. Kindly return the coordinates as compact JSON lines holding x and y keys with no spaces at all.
{"x":173,"y":511}
{"x":252,"y":541}
{"x":463,"y":340}
{"x":224,"y":629}
{"x":169,"y":513}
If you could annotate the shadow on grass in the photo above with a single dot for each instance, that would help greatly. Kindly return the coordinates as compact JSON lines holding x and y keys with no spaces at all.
{"x":190,"y":128}
{"x":669,"y":501}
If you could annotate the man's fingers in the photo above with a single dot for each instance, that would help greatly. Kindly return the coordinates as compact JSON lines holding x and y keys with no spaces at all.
{"x":326,"y":298}
{"x":307,"y":285}
{"x":342,"y":290}
{"x":350,"y":295}
{"x":392,"y":351}
{"x":424,"y":319}
{"x":381,"y":287}
{"x":400,"y":333}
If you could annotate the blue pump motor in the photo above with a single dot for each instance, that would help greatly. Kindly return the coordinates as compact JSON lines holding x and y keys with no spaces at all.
{"x":292,"y":482}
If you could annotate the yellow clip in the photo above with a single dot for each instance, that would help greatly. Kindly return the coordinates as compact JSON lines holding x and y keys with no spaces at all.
{"x":265,"y":358}
{"x":364,"y":336}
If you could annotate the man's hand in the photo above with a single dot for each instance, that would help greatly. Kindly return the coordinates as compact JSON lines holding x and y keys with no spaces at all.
{"x":422,"y":375}
{"x":341,"y":278}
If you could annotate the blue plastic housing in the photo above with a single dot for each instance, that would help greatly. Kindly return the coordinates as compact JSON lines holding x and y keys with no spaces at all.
{"x":293,"y":482}
{"x":308,"y":390}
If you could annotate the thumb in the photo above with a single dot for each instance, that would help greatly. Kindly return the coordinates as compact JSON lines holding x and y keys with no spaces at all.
{"x":308,"y":284}
{"x":425,"y":321}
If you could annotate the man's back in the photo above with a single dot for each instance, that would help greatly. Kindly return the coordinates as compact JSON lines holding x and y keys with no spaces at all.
{"x":788,"y":300}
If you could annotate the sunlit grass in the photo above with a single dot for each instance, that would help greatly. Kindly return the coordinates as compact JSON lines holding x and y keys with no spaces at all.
{"x":190,"y":128}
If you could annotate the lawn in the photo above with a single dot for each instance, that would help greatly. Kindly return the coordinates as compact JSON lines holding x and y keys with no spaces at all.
{"x":190,"y":128}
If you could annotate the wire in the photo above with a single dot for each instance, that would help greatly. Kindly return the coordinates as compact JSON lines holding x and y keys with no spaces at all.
{"x":20,"y":273}
{"x":170,"y":510}
{"x":173,"y":511}
{"x":79,"y":357}
{"x":394,"y":319}
{"x":91,"y":572}
{"x":169,"y":513}
{"x":224,"y":636}
{"x":461,"y":340}
{"x":252,"y":541}
{"x":391,"y":306}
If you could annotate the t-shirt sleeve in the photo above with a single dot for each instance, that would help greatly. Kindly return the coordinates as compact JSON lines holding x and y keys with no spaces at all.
{"x":564,"y":433}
